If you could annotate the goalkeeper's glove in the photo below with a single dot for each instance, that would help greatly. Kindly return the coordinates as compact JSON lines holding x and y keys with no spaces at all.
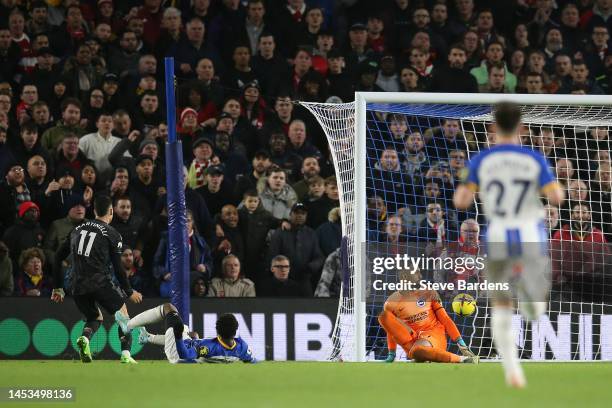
{"x":390,"y":356}
{"x":463,"y":348}
{"x":58,"y":295}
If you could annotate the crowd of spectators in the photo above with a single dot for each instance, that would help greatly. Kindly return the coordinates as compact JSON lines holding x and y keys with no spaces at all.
{"x":82,"y":113}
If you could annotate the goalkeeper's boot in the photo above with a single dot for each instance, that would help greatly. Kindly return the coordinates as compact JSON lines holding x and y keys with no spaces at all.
{"x":122,"y":320}
{"x":128,"y":360}
{"x":84,"y":351}
{"x":390,"y":357}
{"x":471,"y":360}
{"x":143,"y":336}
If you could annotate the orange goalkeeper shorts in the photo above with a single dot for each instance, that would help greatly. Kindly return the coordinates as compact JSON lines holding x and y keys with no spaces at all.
{"x":436,"y":337}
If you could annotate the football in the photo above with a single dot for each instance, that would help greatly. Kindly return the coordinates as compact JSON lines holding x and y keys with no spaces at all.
{"x":464,"y":304}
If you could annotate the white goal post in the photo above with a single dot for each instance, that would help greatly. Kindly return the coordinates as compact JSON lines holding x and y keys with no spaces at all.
{"x":346,"y":127}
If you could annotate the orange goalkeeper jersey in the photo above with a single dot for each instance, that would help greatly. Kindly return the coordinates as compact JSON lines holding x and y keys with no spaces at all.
{"x":421,"y":311}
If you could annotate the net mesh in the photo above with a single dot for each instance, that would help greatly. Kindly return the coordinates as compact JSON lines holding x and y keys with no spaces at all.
{"x":415,"y":154}
{"x":338,"y":123}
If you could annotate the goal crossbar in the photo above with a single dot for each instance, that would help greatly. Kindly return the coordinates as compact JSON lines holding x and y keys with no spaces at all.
{"x":480,"y":99}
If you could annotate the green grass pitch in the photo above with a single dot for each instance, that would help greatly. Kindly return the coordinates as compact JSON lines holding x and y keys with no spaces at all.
{"x":292,"y":384}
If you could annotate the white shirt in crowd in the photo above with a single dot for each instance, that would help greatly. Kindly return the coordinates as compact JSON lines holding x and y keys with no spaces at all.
{"x":97,"y":148}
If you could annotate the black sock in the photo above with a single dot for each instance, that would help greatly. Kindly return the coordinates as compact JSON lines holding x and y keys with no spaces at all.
{"x":174,"y":320}
{"x":91,"y":327}
{"x":125,"y":339}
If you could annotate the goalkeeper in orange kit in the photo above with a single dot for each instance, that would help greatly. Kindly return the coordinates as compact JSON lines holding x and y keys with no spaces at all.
{"x":417,"y":321}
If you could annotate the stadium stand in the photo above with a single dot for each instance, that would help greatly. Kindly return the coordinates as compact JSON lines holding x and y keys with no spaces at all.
{"x":82,"y":113}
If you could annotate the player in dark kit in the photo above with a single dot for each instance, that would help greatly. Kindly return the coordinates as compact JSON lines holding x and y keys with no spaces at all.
{"x":95,"y":247}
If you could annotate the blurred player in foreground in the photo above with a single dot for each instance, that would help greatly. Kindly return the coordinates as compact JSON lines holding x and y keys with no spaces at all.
{"x":179,"y":345}
{"x":417,"y":321}
{"x":94,"y":246}
{"x":509,"y":179}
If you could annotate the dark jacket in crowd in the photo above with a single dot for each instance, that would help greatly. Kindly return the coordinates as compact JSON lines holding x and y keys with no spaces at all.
{"x":428,"y":233}
{"x":77,"y":164}
{"x":272,"y":287}
{"x":453,"y":80}
{"x":128,"y":229}
{"x":9,"y":202}
{"x":22,"y":154}
{"x":23,"y":235}
{"x":236,"y":239}
{"x":330,"y":236}
{"x":7,"y":158}
{"x":216,"y":201}
{"x":7,"y":281}
{"x":255,"y":227}
{"x":318,"y":210}
{"x":301,"y":246}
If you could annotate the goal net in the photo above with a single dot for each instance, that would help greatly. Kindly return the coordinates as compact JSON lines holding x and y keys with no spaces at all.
{"x":399,"y":158}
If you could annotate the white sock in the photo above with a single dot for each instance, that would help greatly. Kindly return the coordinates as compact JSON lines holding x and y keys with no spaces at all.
{"x":532,"y":310}
{"x":157,"y":339}
{"x":501,"y":327}
{"x":125,"y":353}
{"x":147,"y":317}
